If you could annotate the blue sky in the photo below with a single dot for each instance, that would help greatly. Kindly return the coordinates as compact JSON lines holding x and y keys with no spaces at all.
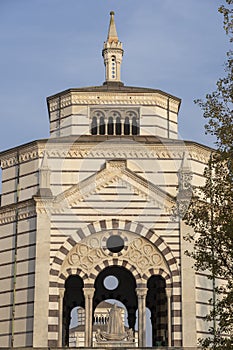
{"x":51,"y":45}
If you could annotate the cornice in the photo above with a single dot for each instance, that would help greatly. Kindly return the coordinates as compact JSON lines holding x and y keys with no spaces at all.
{"x":21,"y":211}
{"x":76,"y":148}
{"x":21,"y":154}
{"x":112,"y":98}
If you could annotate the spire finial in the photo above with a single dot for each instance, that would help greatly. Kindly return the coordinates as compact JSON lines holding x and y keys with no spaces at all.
{"x":112,"y":54}
{"x":112,"y":33}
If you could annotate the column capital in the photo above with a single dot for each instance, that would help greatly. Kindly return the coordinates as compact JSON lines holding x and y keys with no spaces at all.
{"x":141,"y":291}
{"x":61,"y":292}
{"x":88,"y":292}
{"x":168,"y":292}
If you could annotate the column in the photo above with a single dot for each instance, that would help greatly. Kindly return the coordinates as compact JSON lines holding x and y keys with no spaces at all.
{"x":88,"y":294}
{"x":42,"y":278}
{"x":141,"y":294}
{"x":61,"y":296}
{"x":169,"y":293}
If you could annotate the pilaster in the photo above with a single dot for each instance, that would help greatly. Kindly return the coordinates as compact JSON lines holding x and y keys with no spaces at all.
{"x":41,"y":300}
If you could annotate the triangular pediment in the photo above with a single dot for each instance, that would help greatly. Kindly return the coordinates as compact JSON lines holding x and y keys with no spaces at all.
{"x":114,"y":173}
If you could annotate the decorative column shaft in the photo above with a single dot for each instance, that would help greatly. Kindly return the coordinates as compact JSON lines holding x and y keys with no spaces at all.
{"x":60,"y":331}
{"x":88,"y":294}
{"x":141,"y":294}
{"x":169,"y":293}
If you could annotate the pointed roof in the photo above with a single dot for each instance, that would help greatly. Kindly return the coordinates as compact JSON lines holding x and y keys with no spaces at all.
{"x":112,"y":33}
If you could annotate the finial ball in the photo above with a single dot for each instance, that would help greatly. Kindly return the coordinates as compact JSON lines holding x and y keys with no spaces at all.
{"x":112,"y":13}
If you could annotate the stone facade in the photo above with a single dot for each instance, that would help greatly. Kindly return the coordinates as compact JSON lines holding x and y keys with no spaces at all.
{"x":110,"y":172}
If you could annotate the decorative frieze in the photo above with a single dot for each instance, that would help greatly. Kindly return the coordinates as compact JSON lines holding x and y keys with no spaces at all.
{"x":25,"y":154}
{"x":21,"y":211}
{"x":93,"y":251}
{"x":106,"y":98}
{"x":131,"y":149}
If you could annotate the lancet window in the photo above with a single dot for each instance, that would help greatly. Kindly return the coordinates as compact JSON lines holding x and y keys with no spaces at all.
{"x":115,"y":122}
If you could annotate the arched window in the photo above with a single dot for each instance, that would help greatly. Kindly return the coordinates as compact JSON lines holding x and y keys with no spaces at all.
{"x":118,"y":126}
{"x":102,"y":126}
{"x":113,"y":67}
{"x":110,"y":126}
{"x":135,"y":130}
{"x":126,"y":126}
{"x":94,"y":126}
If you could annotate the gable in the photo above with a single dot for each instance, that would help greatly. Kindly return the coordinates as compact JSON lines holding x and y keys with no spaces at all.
{"x":115,"y":183}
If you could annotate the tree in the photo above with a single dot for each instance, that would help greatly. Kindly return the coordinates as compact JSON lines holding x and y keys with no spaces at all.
{"x":211,"y":210}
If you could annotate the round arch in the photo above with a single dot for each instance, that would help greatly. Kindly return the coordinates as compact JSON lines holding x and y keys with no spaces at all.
{"x":66,"y":262}
{"x":108,"y":225}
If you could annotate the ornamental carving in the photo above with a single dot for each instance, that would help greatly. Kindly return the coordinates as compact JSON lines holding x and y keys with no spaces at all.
{"x":150,"y":99}
{"x":75,"y":150}
{"x":93,"y":250}
{"x":19,"y":211}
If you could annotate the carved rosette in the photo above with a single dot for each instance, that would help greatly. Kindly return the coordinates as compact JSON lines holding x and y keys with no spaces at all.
{"x":92,"y":251}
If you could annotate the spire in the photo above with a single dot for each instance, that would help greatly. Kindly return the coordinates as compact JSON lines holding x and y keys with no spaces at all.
{"x":112,"y":33}
{"x":112,"y":54}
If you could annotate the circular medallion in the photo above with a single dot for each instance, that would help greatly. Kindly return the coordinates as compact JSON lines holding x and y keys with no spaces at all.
{"x":115,"y":244}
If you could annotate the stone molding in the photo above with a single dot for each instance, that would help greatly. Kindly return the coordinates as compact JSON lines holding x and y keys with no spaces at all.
{"x":26,"y":153}
{"x":167,"y":266}
{"x":22,"y":211}
{"x":129,"y":229}
{"x":108,"y":98}
{"x":92,"y":252}
{"x":78,"y":149}
{"x":121,"y":112}
{"x":114,"y":170}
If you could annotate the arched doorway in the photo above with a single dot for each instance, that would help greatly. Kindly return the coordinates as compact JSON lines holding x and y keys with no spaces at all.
{"x":136,"y":263}
{"x":156,"y":301}
{"x":73,"y":297}
{"x":125,"y":295}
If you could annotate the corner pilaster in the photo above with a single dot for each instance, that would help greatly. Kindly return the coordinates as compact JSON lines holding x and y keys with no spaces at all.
{"x":42,"y":261}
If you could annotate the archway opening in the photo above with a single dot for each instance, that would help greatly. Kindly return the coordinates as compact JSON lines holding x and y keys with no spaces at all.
{"x":148,"y":328}
{"x":156,"y":302}
{"x":119,"y":292}
{"x":102,"y":126}
{"x":101,"y":314}
{"x":94,"y":126}
{"x":110,"y":126}
{"x":76,"y":328}
{"x":118,"y":126}
{"x":73,"y":297}
{"x":126,"y":126}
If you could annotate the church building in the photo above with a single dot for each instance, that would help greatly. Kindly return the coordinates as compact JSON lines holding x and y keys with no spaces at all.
{"x":103,"y":196}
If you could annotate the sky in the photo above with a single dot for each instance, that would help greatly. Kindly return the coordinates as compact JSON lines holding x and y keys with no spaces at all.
{"x":48,"y":46}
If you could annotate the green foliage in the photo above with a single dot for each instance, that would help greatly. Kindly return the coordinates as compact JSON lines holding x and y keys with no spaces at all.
{"x":210,"y":214}
{"x":211,"y":209}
